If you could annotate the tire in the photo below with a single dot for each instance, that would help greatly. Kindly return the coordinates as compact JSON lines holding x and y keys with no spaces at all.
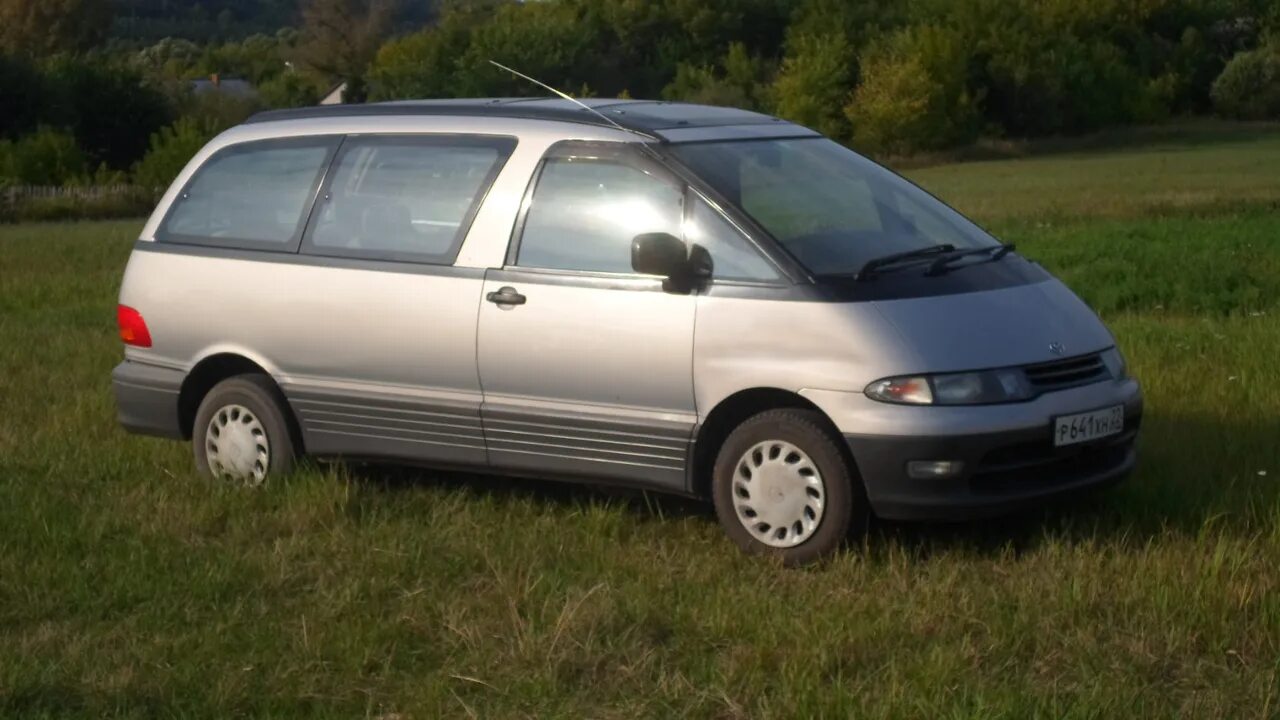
{"x":253,"y":441}
{"x":785,"y":466}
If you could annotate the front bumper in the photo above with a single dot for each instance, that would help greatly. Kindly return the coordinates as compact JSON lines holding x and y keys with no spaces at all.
{"x":1009,"y":458}
{"x":1003,"y":472}
{"x":147,"y":398}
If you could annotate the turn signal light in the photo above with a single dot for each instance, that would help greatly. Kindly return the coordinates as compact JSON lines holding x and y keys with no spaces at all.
{"x":133,"y":329}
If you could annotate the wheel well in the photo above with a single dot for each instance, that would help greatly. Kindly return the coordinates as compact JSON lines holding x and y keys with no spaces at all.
{"x":728,"y":415}
{"x":209,"y":372}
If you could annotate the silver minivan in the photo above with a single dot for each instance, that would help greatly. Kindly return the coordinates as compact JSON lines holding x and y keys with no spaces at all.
{"x":682,"y":298}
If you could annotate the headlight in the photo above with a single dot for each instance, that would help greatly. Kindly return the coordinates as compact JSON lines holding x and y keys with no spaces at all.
{"x":1115,"y":363}
{"x":905,"y":390}
{"x":974,"y":388}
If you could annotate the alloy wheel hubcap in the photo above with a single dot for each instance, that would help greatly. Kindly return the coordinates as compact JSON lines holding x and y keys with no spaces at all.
{"x":778,"y":494}
{"x":236,"y":445}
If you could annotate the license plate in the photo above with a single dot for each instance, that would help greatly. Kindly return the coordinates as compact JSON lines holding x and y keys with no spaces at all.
{"x":1083,"y":427}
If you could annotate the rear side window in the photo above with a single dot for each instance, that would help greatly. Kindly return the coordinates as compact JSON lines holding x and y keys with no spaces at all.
{"x":253,"y":195}
{"x":585,"y":212}
{"x":404,"y":198}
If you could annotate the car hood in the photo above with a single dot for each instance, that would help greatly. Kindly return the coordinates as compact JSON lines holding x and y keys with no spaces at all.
{"x":996,"y":328}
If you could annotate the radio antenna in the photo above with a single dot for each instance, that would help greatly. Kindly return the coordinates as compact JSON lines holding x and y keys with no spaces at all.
{"x":566,"y":96}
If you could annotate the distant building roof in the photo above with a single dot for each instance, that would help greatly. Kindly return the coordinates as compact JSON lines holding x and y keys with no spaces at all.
{"x":216,"y":83}
{"x":335,"y":95}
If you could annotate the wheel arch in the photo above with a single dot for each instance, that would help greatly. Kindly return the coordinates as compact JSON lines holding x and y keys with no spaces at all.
{"x":215,"y":368}
{"x":731,"y":412}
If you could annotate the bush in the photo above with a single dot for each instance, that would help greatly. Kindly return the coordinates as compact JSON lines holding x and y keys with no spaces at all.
{"x":130,"y":203}
{"x":914,"y":95}
{"x":1249,"y":86}
{"x":45,"y":157}
{"x":107,"y":105}
{"x":171,"y":149}
{"x":288,"y":90}
{"x":23,"y":95}
{"x":740,"y":81}
{"x":814,"y":83}
{"x":217,"y":110}
{"x":421,"y":65}
{"x":1049,"y":67}
{"x":547,"y":41}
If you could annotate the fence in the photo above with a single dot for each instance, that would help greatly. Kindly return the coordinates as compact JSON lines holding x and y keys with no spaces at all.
{"x":42,"y":202}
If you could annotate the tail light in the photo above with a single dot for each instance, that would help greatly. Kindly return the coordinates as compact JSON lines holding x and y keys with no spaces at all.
{"x":133,"y":329}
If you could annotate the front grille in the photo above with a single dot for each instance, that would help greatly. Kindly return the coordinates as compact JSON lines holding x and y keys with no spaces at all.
{"x":1062,"y":374}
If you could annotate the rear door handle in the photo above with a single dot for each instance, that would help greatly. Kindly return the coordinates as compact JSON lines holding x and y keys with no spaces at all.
{"x":506,"y":296}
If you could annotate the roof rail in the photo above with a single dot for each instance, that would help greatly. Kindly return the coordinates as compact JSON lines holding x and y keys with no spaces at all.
{"x":641,"y":116}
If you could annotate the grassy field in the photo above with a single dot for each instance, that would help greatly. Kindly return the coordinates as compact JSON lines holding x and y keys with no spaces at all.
{"x":131,"y":588}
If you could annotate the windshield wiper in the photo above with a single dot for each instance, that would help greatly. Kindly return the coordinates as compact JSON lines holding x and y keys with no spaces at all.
{"x":943,"y":264}
{"x":877,"y":264}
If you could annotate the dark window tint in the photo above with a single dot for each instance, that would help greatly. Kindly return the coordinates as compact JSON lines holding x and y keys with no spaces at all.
{"x":250,"y":195}
{"x":404,"y":198}
{"x":732,"y":255}
{"x":586,"y":211}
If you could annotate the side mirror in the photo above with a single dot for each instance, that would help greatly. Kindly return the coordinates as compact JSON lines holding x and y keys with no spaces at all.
{"x":659,"y":254}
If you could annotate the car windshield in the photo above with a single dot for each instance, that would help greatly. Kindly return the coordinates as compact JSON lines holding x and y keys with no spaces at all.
{"x":832,"y":209}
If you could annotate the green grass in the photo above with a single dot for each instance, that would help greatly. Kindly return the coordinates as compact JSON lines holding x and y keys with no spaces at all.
{"x":1178,"y":176}
{"x":129,"y":587}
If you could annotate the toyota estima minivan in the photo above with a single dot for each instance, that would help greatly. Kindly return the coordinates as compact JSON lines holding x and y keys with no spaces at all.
{"x":698,"y":300}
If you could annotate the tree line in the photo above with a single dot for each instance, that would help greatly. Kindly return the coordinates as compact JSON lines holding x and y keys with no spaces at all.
{"x":891,"y":77}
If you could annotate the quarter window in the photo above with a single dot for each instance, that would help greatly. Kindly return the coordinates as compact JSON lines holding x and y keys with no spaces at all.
{"x":732,"y":256}
{"x":585,"y":212}
{"x":404,"y":198}
{"x":250,"y":195}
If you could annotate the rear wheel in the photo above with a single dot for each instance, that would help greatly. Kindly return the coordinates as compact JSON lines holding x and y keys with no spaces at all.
{"x":241,"y":432}
{"x":782,"y":487}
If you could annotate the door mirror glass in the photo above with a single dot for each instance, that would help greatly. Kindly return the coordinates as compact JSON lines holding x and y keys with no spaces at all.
{"x":659,"y":253}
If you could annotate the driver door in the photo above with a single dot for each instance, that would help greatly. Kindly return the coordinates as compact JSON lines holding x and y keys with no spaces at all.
{"x":586,"y":366}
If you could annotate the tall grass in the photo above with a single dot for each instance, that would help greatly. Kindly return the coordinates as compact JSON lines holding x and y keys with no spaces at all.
{"x":131,"y":588}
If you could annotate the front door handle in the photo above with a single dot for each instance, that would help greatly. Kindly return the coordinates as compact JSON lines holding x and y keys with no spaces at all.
{"x":506,"y":296}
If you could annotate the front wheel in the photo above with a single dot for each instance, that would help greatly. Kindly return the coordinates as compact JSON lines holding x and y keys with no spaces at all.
{"x":782,"y":487}
{"x":241,"y":432}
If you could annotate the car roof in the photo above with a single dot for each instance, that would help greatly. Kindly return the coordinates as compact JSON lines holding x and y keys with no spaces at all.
{"x":660,"y":120}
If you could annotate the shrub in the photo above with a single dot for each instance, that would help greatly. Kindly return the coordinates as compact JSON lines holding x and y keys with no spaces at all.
{"x":288,"y":90}
{"x":217,"y":110}
{"x":1249,"y":86}
{"x":45,"y":157}
{"x":547,"y":41}
{"x":130,"y":203}
{"x":740,"y":81}
{"x":109,"y":107}
{"x":913,"y":95}
{"x":1068,"y":66}
{"x":421,"y":65}
{"x":23,"y":95}
{"x":814,"y":83}
{"x":171,"y":149}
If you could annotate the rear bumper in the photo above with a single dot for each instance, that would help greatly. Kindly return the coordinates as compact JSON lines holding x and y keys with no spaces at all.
{"x":147,"y":398}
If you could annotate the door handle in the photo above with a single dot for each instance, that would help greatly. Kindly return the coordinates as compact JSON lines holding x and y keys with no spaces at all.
{"x":506,"y":296}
